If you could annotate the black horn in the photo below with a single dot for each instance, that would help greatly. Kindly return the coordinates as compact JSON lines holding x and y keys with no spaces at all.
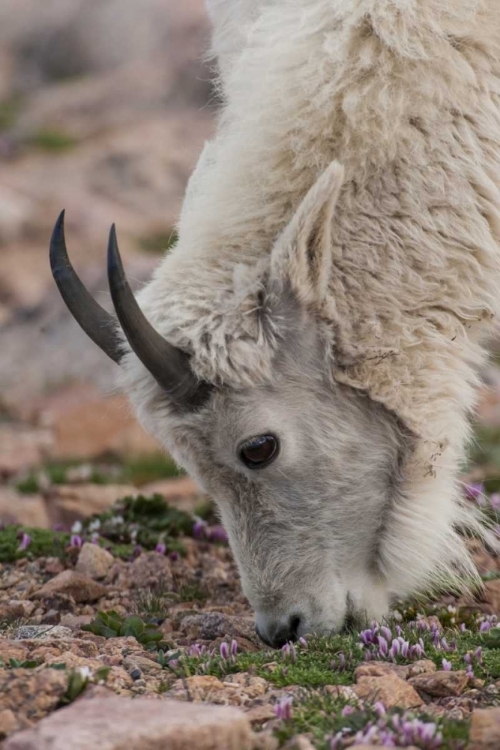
{"x":169,"y":365}
{"x":98,"y":324}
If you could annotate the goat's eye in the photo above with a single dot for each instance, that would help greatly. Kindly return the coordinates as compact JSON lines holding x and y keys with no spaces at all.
{"x":259,"y":451}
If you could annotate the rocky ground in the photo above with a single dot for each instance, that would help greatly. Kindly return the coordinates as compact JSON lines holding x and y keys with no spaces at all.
{"x":122,"y":623}
{"x":118,"y":593}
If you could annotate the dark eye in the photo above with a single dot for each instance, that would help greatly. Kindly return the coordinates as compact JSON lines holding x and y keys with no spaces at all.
{"x":259,"y":451}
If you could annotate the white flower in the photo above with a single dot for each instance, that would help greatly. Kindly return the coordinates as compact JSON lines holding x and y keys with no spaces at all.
{"x":85,"y":672}
{"x":94,"y":525}
{"x":77,"y":527}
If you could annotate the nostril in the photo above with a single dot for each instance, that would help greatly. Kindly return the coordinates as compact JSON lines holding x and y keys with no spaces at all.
{"x":294,"y":627}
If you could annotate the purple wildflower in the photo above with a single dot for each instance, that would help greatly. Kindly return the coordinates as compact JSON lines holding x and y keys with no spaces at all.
{"x":283,"y":708}
{"x":447,"y":665}
{"x":161,"y":548}
{"x":76,"y":540}
{"x":218,"y":534}
{"x":386,"y":633}
{"x":495,"y":501}
{"x":174,"y":556}
{"x":475,"y":492}
{"x":383,"y":646}
{"x":485,"y":626}
{"x":303,"y":642}
{"x":347,"y":710}
{"x":25,"y":542}
{"x":234,"y":648}
{"x":224,"y":650}
{"x":199,"y":528}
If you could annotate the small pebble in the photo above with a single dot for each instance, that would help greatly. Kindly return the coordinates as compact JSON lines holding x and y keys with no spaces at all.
{"x":136,"y":674}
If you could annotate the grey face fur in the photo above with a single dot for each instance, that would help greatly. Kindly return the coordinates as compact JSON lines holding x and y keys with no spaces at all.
{"x":306,"y":529}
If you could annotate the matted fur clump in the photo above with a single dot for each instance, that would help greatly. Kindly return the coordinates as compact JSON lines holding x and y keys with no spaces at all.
{"x":357,"y":158}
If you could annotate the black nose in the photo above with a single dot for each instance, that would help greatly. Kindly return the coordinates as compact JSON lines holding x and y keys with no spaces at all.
{"x":276,"y":635}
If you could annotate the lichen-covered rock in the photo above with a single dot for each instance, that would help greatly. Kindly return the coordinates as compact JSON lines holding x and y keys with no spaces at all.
{"x":441,"y":684}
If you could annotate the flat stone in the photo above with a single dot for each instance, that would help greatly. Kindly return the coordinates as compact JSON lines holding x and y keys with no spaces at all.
{"x":69,"y":503}
{"x":94,"y":561}
{"x":138,"y":724}
{"x":485,"y":729}
{"x":71,"y":583}
{"x":441,"y":684}
{"x":41,"y":632}
{"x":390,"y":689}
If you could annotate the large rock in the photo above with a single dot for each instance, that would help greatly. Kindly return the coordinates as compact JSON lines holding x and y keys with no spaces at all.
{"x":28,"y":510}
{"x":390,"y":689}
{"x":31,"y":694}
{"x":70,"y":583}
{"x":22,"y":447}
{"x":441,"y":684}
{"x":95,"y":426}
{"x":485,"y":729}
{"x":123,"y":724}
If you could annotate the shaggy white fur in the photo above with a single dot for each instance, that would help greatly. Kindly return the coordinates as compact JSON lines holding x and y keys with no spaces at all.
{"x":405,"y":95}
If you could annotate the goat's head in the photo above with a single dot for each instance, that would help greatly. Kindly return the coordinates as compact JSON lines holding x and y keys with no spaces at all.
{"x":303,"y":469}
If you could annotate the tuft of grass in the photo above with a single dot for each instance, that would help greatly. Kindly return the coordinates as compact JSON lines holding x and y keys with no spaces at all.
{"x":150,"y":468}
{"x":192,"y":592}
{"x":9,"y":110}
{"x":159,"y":242}
{"x":51,"y":139}
{"x":28,"y":486}
{"x":153,"y":603}
{"x":139,"y":522}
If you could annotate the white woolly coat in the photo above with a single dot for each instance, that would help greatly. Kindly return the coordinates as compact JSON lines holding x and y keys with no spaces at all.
{"x":405,"y":94}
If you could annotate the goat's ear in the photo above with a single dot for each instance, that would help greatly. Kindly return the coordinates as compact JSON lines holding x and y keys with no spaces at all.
{"x":302,"y":255}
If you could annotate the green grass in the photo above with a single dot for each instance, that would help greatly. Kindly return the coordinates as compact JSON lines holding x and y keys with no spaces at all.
{"x":319,"y":715}
{"x":138,"y":470}
{"x":318,"y":665}
{"x":44,"y":543}
{"x":149,"y":468}
{"x":53,"y":140}
{"x":9,"y":111}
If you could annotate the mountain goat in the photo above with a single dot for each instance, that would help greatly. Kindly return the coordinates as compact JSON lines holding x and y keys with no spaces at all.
{"x":309,"y":349}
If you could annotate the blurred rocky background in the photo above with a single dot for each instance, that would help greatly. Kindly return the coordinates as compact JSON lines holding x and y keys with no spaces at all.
{"x":104,"y":108}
